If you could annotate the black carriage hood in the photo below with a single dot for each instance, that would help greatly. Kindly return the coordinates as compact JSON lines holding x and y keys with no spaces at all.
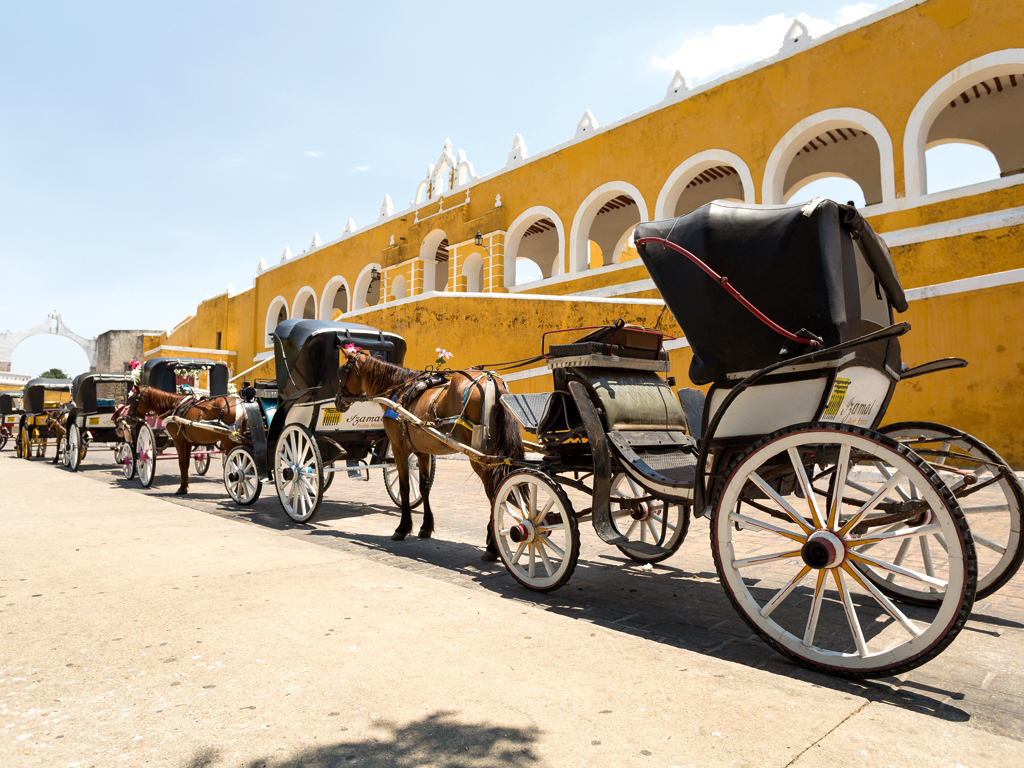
{"x":794,"y":263}
{"x":83,"y":387}
{"x":159,"y":373}
{"x":34,"y":400}
{"x":7,"y":401}
{"x":306,"y":353}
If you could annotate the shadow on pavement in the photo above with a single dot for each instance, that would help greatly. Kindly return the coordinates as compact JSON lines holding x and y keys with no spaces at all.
{"x":437,"y":740}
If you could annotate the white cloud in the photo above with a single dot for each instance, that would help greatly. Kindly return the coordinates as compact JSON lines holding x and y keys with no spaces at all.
{"x":731,"y":46}
{"x":361,"y":168}
{"x":310,"y":153}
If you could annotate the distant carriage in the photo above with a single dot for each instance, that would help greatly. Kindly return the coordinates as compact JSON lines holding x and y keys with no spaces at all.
{"x":151,"y":439}
{"x":10,"y":416}
{"x":298,"y":438}
{"x":40,"y":396}
{"x":91,"y":423}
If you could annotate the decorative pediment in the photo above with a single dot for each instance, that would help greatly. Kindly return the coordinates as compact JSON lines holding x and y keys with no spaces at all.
{"x":518,"y":152}
{"x":316,"y":242}
{"x":796,"y":34}
{"x":286,"y":255}
{"x":678,"y":87}
{"x":387,"y":208}
{"x":350,"y":227}
{"x":587,"y":125}
{"x":451,"y":171}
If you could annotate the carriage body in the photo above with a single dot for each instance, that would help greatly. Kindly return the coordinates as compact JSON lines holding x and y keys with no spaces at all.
{"x":91,"y":418}
{"x":10,"y":415}
{"x":40,"y":396}
{"x":307,"y":365}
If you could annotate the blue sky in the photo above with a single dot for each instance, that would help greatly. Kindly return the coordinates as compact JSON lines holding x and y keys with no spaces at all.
{"x":151,"y":154}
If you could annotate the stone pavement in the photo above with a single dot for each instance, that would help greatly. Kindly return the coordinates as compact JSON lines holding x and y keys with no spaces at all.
{"x":140,"y":632}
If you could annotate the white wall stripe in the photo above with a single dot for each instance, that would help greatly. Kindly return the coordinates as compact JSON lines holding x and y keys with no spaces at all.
{"x":189,"y":349}
{"x":967,"y":284}
{"x":1008,"y":217}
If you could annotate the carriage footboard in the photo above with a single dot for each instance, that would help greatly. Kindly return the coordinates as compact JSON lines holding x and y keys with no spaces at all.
{"x":664,"y":463}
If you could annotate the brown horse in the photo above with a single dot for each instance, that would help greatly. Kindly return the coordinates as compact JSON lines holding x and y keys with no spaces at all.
{"x":453,"y":404}
{"x":146,"y":400}
{"x":57,"y":426}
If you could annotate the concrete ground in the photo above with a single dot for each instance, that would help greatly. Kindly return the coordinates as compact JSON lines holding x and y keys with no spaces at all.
{"x":140,"y":628}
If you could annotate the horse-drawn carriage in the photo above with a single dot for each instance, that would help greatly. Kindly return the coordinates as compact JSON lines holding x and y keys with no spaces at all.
{"x":10,"y":415}
{"x":839,"y":544}
{"x":91,"y":423}
{"x":152,"y":439}
{"x":40,"y":398}
{"x":297,"y":436}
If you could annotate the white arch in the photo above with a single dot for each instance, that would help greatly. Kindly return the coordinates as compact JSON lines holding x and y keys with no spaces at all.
{"x":398,"y":287}
{"x":276,"y":305}
{"x":52,"y":325}
{"x":514,"y":236}
{"x":579,"y":253}
{"x":335,"y":284}
{"x":299,"y":304}
{"x":686,"y":171}
{"x":936,"y":98}
{"x":428,"y":254}
{"x":473,"y":270}
{"x":358,"y":295}
{"x":782,"y":155}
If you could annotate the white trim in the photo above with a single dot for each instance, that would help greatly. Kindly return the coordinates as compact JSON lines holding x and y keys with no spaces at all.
{"x":935,"y":99}
{"x":772,"y":187}
{"x":967,"y":284}
{"x":619,"y":289}
{"x":680,"y":343}
{"x":686,"y":171}
{"x":297,"y":307}
{"x":968,"y":225}
{"x":335,"y":284}
{"x":586,"y":213}
{"x":267,"y":327}
{"x":260,"y":361}
{"x":909,"y":204}
{"x":529,"y":373}
{"x":428,"y":256}
{"x":189,"y":349}
{"x":567,"y":278}
{"x":513,"y":237}
{"x":357,"y":299}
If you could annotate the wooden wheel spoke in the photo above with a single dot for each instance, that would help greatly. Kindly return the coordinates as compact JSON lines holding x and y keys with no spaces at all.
{"x":871,"y":503}
{"x":547,"y":542}
{"x":785,"y":592}
{"x":791,"y":513}
{"x":882,"y":600}
{"x":897,"y":569}
{"x":842,"y":470}
{"x":812,"y":617}
{"x":749,"y":522}
{"x":905,"y":533}
{"x":805,"y":486}
{"x":989,"y":544}
{"x":544,"y":559}
{"x":851,"y":613}
{"x":761,"y":559}
{"x":519,"y":553}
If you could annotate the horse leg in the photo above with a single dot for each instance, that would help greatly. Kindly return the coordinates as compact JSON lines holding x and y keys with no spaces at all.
{"x":490,"y":554}
{"x":428,"y":517}
{"x":400,"y":451}
{"x":184,"y":449}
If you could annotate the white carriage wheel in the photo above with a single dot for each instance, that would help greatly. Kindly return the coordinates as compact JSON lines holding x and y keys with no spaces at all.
{"x":145,"y":453}
{"x":76,"y":450}
{"x":202,"y":461}
{"x":658,"y":521}
{"x":62,"y":451}
{"x":298,"y":473}
{"x":996,"y":522}
{"x":790,"y":554}
{"x":391,"y":477}
{"x":127,"y":461}
{"x":241,"y":478}
{"x":535,"y":530}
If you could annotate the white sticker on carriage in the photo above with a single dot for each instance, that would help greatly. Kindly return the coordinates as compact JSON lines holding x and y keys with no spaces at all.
{"x":857,"y":397}
{"x":357,"y":418}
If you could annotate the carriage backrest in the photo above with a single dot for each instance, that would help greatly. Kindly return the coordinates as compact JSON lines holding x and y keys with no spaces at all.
{"x":83,"y":388}
{"x":36,"y":391}
{"x":160,"y":373}
{"x":818,"y":267}
{"x":307,"y":359}
{"x":10,"y":402}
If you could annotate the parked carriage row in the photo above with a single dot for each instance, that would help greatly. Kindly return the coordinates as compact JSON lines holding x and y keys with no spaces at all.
{"x":851,"y":547}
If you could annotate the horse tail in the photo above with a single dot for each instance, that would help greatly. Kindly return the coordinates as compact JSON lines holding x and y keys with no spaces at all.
{"x":509,"y":443}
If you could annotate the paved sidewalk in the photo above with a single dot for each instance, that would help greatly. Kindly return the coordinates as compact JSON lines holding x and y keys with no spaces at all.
{"x":139,"y":628}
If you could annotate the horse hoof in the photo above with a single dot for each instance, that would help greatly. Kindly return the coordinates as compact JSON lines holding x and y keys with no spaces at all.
{"x":181,"y":492}
{"x":489,"y":557}
{"x":397,"y":536}
{"x":424,"y":534}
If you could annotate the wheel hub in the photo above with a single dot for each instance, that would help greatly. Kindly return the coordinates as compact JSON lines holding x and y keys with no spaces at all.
{"x":233,"y":477}
{"x":641,"y":511}
{"x":288,"y":473}
{"x":823,"y":549}
{"x":522,"y":533}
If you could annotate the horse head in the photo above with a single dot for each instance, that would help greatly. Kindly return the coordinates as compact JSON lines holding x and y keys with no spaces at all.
{"x":350,"y":380}
{"x":136,"y":405}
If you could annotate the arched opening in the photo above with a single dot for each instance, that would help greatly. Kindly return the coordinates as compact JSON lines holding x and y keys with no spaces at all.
{"x":839,"y":143}
{"x":367,"y":289}
{"x":398,"y":287}
{"x":980,"y":103}
{"x":837,"y":188}
{"x":977,"y":136}
{"x":710,"y":175}
{"x":38,"y":354}
{"x":604,"y":223}
{"x":334,"y":302}
{"x":304,"y":306}
{"x":277,"y":312}
{"x":434,"y":255}
{"x":473,"y":271}
{"x":958,"y":164}
{"x":534,"y":246}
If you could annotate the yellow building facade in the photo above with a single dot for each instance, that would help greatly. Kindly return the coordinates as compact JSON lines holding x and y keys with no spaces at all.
{"x":865,"y":102}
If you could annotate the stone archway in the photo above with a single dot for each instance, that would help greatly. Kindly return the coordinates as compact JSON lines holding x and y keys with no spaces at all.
{"x":52,"y":325}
